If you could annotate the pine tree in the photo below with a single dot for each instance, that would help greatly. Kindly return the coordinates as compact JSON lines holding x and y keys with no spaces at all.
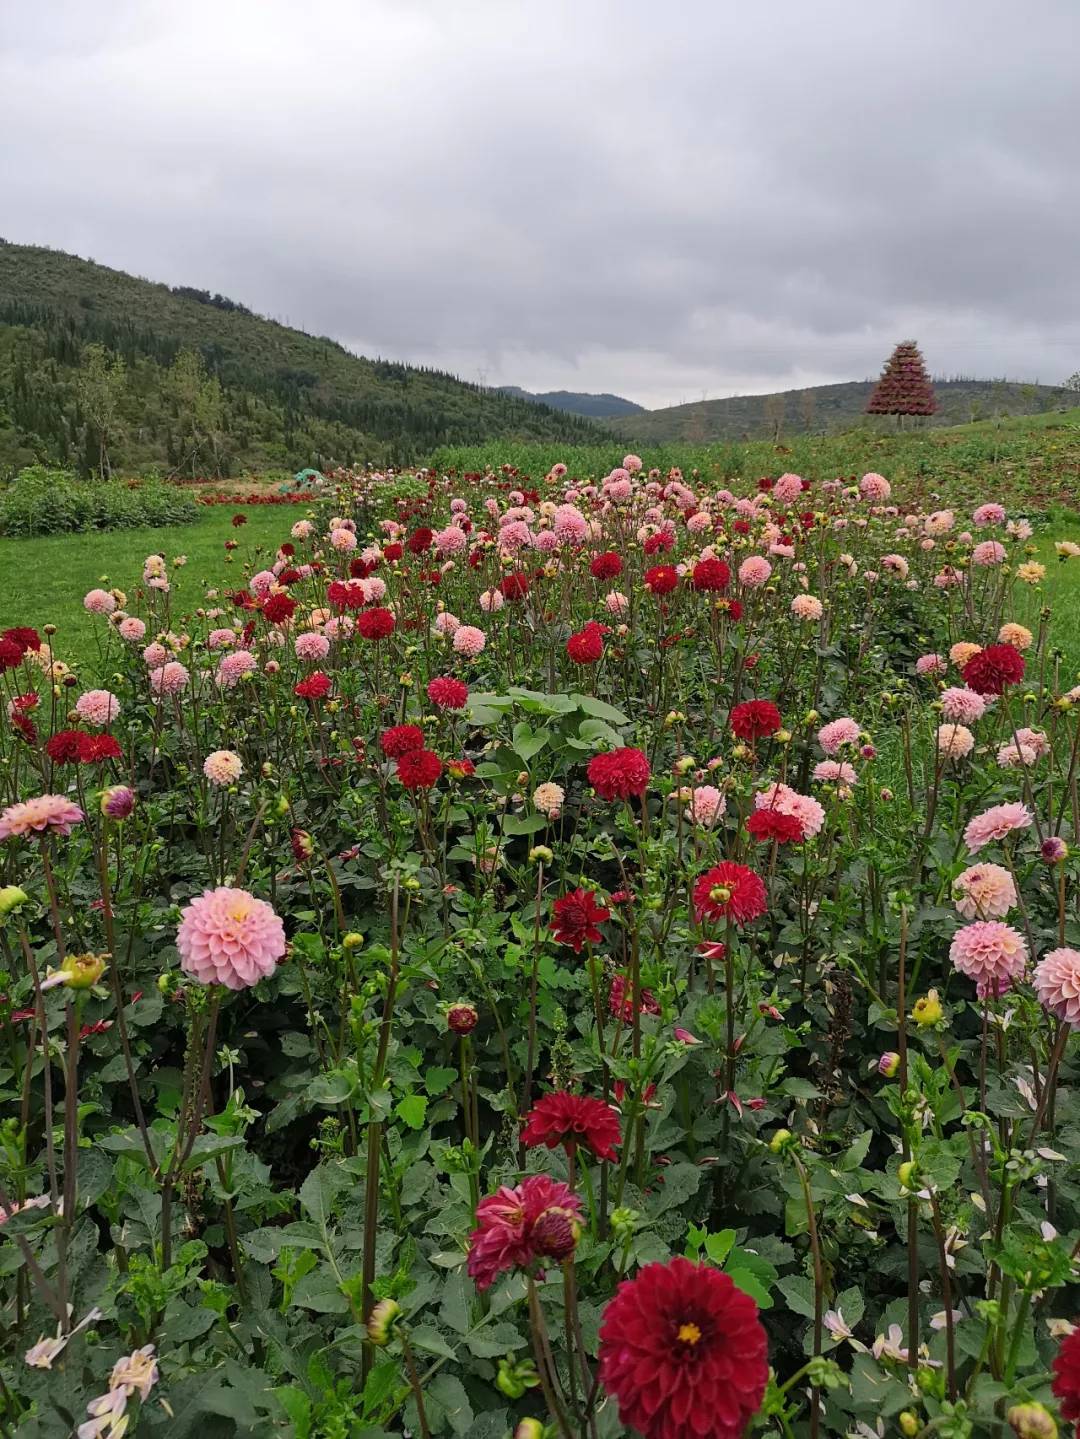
{"x":904,"y":387}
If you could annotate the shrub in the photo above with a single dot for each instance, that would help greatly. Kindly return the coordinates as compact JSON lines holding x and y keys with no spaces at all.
{"x":40,"y":501}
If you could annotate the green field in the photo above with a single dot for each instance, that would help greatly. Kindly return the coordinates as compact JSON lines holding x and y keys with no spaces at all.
{"x":43,"y":581}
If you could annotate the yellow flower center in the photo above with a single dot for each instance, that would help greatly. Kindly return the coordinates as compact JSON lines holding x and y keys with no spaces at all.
{"x":689,"y":1333}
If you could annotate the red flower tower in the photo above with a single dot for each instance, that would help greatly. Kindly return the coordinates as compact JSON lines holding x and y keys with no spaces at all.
{"x":904,"y":387}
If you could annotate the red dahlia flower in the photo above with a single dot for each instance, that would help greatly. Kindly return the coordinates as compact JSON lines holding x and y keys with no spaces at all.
{"x":96,"y":748}
{"x":587,"y":646}
{"x":621,"y":1005}
{"x":711,"y":575}
{"x":25,"y":637}
{"x":400,"y":739}
{"x":419,"y":541}
{"x":660,"y":541}
{"x":729,"y":889}
{"x":606,"y":566}
{"x":419,"y":769}
{"x":344,"y":595}
{"x":661,"y":579}
{"x":683,"y":1352}
{"x":993,"y":668}
{"x":63,"y":746}
{"x":315,"y":687}
{"x":539,"y":1219}
{"x":239,"y":520}
{"x":573,"y":1120}
{"x":277,"y":608}
{"x":447,"y":693}
{"x":392,"y":552}
{"x":619,"y":774}
{"x":754,"y":719}
{"x":11,"y":653}
{"x":766,"y":824}
{"x":575,"y":917}
{"x":514,"y":587}
{"x":1066,"y":1385}
{"x":376,"y":624}
{"x":359,"y":569}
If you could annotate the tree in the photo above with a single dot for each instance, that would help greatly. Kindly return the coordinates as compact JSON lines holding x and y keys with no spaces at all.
{"x":200,"y":412}
{"x":808,"y":407}
{"x":904,"y":387}
{"x":1072,"y":384}
{"x":101,"y":386}
{"x":774,"y":408}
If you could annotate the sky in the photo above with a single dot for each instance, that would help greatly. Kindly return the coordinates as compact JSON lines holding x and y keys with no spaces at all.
{"x":666,"y":201}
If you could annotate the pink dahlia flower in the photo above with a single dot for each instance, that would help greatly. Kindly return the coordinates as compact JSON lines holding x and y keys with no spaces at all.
{"x":48,"y":812}
{"x":985,"y":891}
{"x":469,"y":641}
{"x":932,"y":664}
{"x":170,"y":679}
{"x":223,"y":767}
{"x":311,"y":646}
{"x":233,"y":667}
{"x":99,"y":602}
{"x":785,"y":800}
{"x":875,"y":488}
{"x":229,"y":937}
{"x":961,"y":705}
{"x":754,"y":572}
{"x":97,"y":707}
{"x":995,"y":823}
{"x":837,"y":733}
{"x":1057,"y":985}
{"x":954,"y":741}
{"x":132,"y":629}
{"x":991,"y":953}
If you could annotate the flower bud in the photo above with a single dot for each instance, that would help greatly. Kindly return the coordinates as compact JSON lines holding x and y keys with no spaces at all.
{"x":381,"y":1321}
{"x":529,"y":1429}
{"x":11,"y":899}
{"x":303,"y":846}
{"x":908,"y":1174}
{"x":515,"y":1376}
{"x":1054,"y":850}
{"x":461,"y":1018}
{"x":927,"y":1011}
{"x":909,"y":1423}
{"x":117,"y":802}
{"x":780,"y":1140}
{"x":1032,"y":1421}
{"x":556,"y":1233}
{"x":888,"y":1064}
{"x":541,"y":854}
{"x":352,"y":940}
{"x":82,"y":971}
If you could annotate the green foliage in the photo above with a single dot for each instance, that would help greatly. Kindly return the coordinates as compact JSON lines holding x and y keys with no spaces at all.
{"x":40,"y":501}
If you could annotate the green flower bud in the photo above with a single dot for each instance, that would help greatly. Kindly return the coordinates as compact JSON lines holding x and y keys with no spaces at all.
{"x":381,"y":1321}
{"x":11,"y":899}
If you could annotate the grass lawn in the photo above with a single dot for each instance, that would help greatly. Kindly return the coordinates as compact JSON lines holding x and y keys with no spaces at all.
{"x":42,"y":581}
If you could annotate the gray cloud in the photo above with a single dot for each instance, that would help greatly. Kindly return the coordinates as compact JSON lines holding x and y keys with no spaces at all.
{"x":667,"y":201}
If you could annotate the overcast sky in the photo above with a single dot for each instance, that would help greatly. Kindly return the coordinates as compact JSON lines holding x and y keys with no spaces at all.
{"x":664,"y":200}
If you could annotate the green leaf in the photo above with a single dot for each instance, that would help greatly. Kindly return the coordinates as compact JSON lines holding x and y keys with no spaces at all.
{"x":320,"y":1291}
{"x":428,"y":1338}
{"x":750,"y":1284}
{"x":412,"y":1110}
{"x":599,"y":709}
{"x":494,"y":1340}
{"x":334,"y":1087}
{"x":799,"y":1293}
{"x":439,"y":1078}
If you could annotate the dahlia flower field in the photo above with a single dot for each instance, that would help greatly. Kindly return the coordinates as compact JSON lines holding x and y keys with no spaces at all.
{"x":577,"y":957}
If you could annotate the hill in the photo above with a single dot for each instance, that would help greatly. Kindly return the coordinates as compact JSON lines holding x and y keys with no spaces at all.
{"x":824,"y":409}
{"x":573,"y":402}
{"x":99,"y":366}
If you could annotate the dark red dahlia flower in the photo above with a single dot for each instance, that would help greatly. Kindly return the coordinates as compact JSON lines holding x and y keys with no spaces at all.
{"x":606,"y":566}
{"x":684,"y":1353}
{"x":419,"y":541}
{"x":753,"y":719}
{"x":514,"y":586}
{"x":729,"y":889}
{"x":993,"y":668}
{"x":462,"y":1018}
{"x":573,"y":1120}
{"x":621,"y":1005}
{"x":660,"y":541}
{"x":239,"y":520}
{"x":661,"y":579}
{"x":392,"y":552}
{"x":419,"y":769}
{"x":766,"y":824}
{"x":303,"y":846}
{"x":619,"y":774}
{"x":63,"y":746}
{"x":277,"y":608}
{"x":400,"y":739}
{"x":515,"y":1228}
{"x":711,"y":575}
{"x":587,"y":646}
{"x":376,"y":624}
{"x":447,"y":693}
{"x":25,"y":637}
{"x":1066,"y":1385}
{"x":575,"y":917}
{"x":315,"y":687}
{"x":11,"y":653}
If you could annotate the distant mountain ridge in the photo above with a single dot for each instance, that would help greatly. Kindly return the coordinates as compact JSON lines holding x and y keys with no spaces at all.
{"x":264,"y":396}
{"x":826,"y":408}
{"x":574,"y":402}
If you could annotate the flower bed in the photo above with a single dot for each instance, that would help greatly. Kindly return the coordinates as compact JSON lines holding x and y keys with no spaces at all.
{"x":589,"y":961}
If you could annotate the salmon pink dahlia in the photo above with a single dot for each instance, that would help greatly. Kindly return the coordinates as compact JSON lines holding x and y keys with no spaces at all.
{"x":985,"y":891}
{"x":229,"y":937}
{"x":48,"y":813}
{"x":729,"y":890}
{"x":683,"y":1352}
{"x":619,"y":774}
{"x":575,"y":1121}
{"x":995,"y":823}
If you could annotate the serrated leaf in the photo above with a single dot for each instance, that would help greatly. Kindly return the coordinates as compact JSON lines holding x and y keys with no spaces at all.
{"x":412,"y":1110}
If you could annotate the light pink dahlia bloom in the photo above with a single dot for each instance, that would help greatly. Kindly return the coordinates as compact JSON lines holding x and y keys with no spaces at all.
{"x":97,"y":707}
{"x":985,"y":891}
{"x":1057,"y":985}
{"x":229,"y":937}
{"x":991,"y":953}
{"x":837,"y":733}
{"x":995,"y":823}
